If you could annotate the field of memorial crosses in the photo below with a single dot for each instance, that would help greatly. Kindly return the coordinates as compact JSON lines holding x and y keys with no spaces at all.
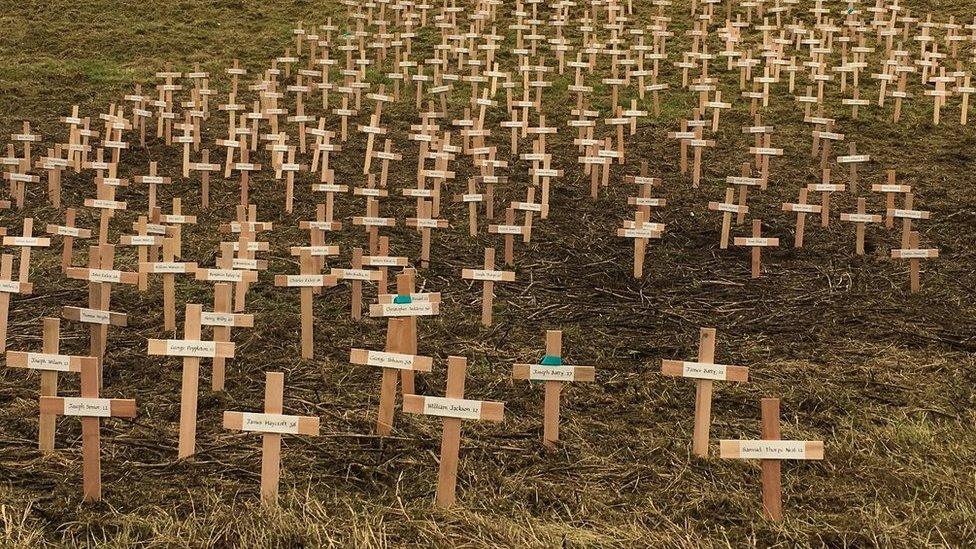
{"x":571,"y":273}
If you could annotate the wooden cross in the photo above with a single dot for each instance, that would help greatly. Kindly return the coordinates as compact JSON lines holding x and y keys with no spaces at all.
{"x":205,"y":167}
{"x":9,"y":286}
{"x":825,"y":187}
{"x":271,"y":424}
{"x":153,"y":179}
{"x":852,"y":159}
{"x":49,"y":362}
{"x":92,"y":409}
{"x":640,"y":230}
{"x":489,"y":276}
{"x":555,"y":374}
{"x":402,"y":309}
{"x":424,"y":222}
{"x":913,"y":254}
{"x":907,"y":214}
{"x":391,"y":363}
{"x":54,"y":164}
{"x":169,"y":268}
{"x":727,"y":207}
{"x":860,"y":219}
{"x":25,"y":243}
{"x":705,"y":372}
{"x":69,"y":233}
{"x":890,"y":188}
{"x":223,"y":320}
{"x":308,"y":279}
{"x":191,"y":349}
{"x":801,"y":208}
{"x":509,"y":229}
{"x":100,"y":275}
{"x":757,"y":242}
{"x":771,"y":450}
{"x":453,"y":408}
{"x":357,"y":275}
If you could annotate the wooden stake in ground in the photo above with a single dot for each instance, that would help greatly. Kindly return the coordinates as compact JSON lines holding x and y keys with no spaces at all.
{"x":489,"y":276}
{"x":890,"y":189}
{"x":705,"y":372}
{"x":307,"y":280}
{"x":392,"y":364}
{"x":192,"y":349}
{"x":771,"y":450}
{"x":860,"y":219}
{"x":757,"y":242}
{"x":555,"y":374}
{"x":453,"y":408}
{"x":913,"y":254}
{"x":92,"y":409}
{"x":49,"y":362}
{"x":271,"y":424}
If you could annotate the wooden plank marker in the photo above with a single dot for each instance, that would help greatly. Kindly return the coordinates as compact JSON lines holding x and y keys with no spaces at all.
{"x":861,"y":218}
{"x":705,"y":372}
{"x":555,"y":374}
{"x":771,"y":450}
{"x":271,"y":424}
{"x":453,"y":408}
{"x":91,"y":409}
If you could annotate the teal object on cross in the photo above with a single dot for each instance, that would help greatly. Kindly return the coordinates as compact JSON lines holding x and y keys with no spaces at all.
{"x":550,"y":360}
{"x":402,"y":299}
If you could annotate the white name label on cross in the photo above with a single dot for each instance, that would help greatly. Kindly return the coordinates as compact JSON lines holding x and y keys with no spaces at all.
{"x":269,"y":423}
{"x":87,"y":407}
{"x":452,"y":407}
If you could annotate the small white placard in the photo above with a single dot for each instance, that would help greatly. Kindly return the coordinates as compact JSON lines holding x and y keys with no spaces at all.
{"x":551,"y":373}
{"x":88,"y":407}
{"x":269,"y":423}
{"x":452,"y":407}
{"x":41,"y":361}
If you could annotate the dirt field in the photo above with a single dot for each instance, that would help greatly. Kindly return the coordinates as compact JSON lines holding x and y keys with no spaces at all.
{"x":884,"y":377}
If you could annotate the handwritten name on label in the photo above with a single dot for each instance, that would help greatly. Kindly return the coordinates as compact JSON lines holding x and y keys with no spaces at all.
{"x":772,"y":449}
{"x":408,"y":309}
{"x":507,"y":229}
{"x":216,"y":319}
{"x":755,"y":242}
{"x":40,"y":361}
{"x":225,"y":275}
{"x":552,"y":373}
{"x":179,"y":347}
{"x":493,"y":276}
{"x":94,"y":316}
{"x":68,"y":231}
{"x":805,"y":208}
{"x":452,"y":407}
{"x":102,"y":275}
{"x":269,"y":423}
{"x":25,"y":241}
{"x":10,"y":286}
{"x":305,"y":280}
{"x":703,"y":371}
{"x":389,"y":360}
{"x":909,"y":253}
{"x":169,"y":267}
{"x":89,"y":407}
